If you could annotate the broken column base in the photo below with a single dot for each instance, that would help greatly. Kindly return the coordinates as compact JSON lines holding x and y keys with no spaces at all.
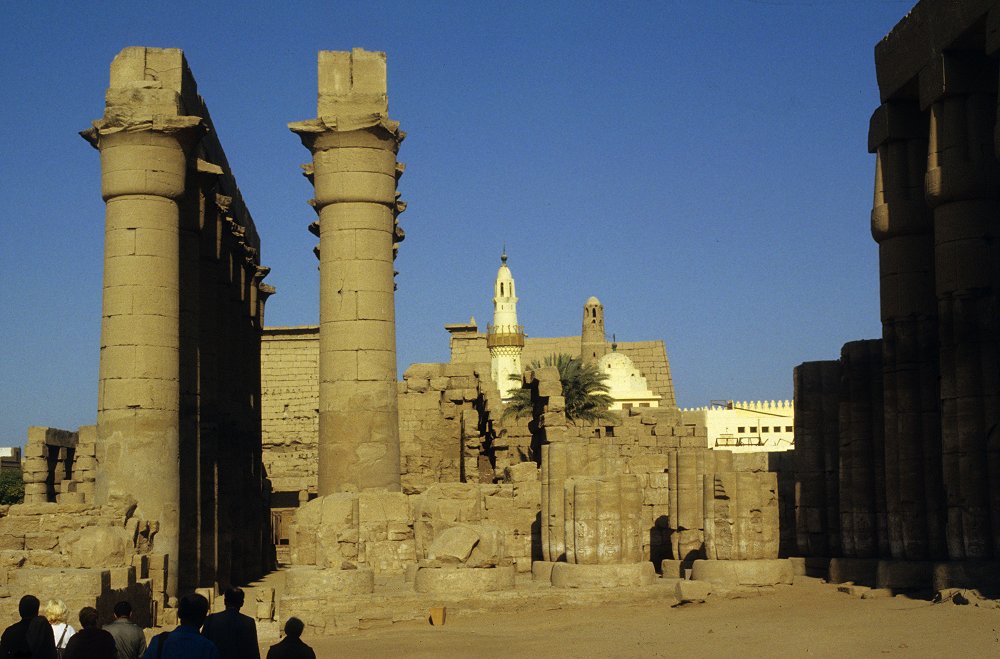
{"x":744,"y":574}
{"x":459,"y":580}
{"x":575,"y":575}
{"x":862,"y":571}
{"x":311,"y":581}
{"x":981,"y":575}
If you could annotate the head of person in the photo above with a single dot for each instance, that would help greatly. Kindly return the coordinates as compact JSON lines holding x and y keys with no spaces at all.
{"x":55,"y":611}
{"x":123,"y":610}
{"x":28,"y":607}
{"x":294,"y":627}
{"x":234,"y":598}
{"x":192,"y":609}
{"x":88,"y":617}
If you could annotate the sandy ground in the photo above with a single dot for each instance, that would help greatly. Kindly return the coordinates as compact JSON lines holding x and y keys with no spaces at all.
{"x":809,"y":619}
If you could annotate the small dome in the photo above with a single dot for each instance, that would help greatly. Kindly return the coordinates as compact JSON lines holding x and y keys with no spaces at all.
{"x":624,"y":379}
{"x":591,"y":301}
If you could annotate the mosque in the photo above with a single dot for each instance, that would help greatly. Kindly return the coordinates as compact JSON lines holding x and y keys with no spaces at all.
{"x":638,"y":371}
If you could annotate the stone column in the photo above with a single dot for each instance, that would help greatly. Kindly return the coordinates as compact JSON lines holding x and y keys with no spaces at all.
{"x":144,"y":158}
{"x":902,"y":224}
{"x":962,"y":187}
{"x":862,"y":455}
{"x":817,"y":458}
{"x":354,"y":171}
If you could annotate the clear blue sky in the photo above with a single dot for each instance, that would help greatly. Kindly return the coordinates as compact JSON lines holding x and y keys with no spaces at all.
{"x":699,"y":166}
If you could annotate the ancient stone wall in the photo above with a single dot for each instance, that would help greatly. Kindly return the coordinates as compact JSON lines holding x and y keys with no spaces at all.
{"x":289,"y":413}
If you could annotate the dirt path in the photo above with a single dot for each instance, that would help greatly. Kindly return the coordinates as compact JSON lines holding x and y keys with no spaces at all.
{"x":805,"y":620}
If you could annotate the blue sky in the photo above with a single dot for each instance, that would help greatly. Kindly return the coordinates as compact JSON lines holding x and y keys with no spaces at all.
{"x":701,"y":167}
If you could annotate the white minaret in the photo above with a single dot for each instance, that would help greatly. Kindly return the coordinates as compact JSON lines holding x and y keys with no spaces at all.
{"x":505,"y":337}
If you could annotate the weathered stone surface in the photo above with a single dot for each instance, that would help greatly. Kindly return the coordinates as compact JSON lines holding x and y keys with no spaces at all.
{"x":453,"y":545}
{"x":456,"y":580}
{"x":98,"y":546}
{"x":314,"y":582}
{"x":688,"y":592}
{"x":731,"y":574}
{"x":622,"y":575}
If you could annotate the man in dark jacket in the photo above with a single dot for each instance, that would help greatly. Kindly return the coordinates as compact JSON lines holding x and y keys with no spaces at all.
{"x":291,"y":647}
{"x":130,"y":642}
{"x":232,"y":632}
{"x":32,"y":636}
{"x":91,"y":642}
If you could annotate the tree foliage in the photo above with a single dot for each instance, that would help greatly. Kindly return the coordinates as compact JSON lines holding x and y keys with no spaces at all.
{"x":11,"y":487}
{"x":584,"y":389}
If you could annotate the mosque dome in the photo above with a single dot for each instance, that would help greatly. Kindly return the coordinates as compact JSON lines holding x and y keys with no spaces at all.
{"x":625,"y":381}
{"x":591,"y":301}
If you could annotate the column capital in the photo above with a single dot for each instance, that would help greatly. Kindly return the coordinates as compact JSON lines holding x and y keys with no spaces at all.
{"x":187,"y":130}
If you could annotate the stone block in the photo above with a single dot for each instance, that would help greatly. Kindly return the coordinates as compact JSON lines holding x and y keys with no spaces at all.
{"x":542,"y":571}
{"x":98,"y":546}
{"x":687,"y":592}
{"x":521,"y":472}
{"x":453,"y":545}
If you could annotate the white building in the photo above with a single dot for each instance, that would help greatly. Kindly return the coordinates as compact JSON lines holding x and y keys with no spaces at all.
{"x":626,"y":385}
{"x":746,"y":426}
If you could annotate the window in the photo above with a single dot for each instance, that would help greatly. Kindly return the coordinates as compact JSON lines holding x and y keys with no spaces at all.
{"x":753,"y":428}
{"x":764,"y":429}
{"x":643,"y":404}
{"x":626,"y":406}
{"x":789,"y":429}
{"x":609,"y":431}
{"x":741,"y":429}
{"x":593,"y":313}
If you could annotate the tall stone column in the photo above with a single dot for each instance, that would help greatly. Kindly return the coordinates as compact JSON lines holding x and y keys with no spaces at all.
{"x":962,"y":188}
{"x":144,"y":157}
{"x":902,"y":224}
{"x":354,"y":171}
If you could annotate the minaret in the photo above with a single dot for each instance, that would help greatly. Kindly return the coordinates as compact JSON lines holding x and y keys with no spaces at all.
{"x":592,"y":343}
{"x":505,"y":337}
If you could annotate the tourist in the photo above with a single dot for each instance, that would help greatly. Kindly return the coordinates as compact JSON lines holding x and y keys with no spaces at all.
{"x":185,"y":642}
{"x":91,"y":642}
{"x":291,"y":647}
{"x":130,"y":642}
{"x":32,"y":636}
{"x":232,"y":632}
{"x":55,"y":613}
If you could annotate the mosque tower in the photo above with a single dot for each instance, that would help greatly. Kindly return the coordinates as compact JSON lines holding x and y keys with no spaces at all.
{"x":592,"y":342}
{"x":505,"y":337}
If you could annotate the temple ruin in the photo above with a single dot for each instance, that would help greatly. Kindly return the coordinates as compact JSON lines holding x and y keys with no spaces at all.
{"x":224,"y":450}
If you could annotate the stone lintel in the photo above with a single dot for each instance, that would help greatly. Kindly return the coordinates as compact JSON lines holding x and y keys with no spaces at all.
{"x":956,"y":74}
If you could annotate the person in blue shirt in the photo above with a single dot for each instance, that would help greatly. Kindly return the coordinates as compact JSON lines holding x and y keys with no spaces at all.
{"x":186,"y":641}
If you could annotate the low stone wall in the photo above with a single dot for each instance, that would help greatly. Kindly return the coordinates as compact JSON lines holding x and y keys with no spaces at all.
{"x":83,"y":554}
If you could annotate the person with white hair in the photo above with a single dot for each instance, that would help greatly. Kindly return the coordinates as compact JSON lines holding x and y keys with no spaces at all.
{"x":55,"y":613}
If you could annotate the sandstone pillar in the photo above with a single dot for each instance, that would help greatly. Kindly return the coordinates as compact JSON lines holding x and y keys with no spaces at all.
{"x":863,"y":529}
{"x":816,"y":458}
{"x":144,"y":143}
{"x":354,"y":171}
{"x":962,"y":188}
{"x":901,"y":223}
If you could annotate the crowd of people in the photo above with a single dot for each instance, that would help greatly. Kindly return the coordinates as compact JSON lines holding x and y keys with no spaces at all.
{"x":225,"y":635}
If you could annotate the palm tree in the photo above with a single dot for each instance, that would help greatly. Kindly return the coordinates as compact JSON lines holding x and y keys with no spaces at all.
{"x":583,"y":386}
